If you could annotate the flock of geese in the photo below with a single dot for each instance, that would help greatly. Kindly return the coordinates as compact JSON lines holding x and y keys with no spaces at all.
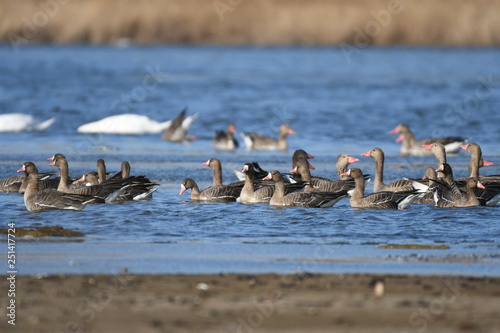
{"x":298,"y":187}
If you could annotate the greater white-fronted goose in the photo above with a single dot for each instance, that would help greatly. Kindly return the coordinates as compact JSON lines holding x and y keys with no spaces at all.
{"x":300,"y":154}
{"x":411,"y":146}
{"x":19,"y":122}
{"x":128,"y":123}
{"x":318,"y":184}
{"x":178,"y":129}
{"x":343,"y":161}
{"x":448,"y":194}
{"x":399,"y":185}
{"x":216,"y":166}
{"x":259,"y":173}
{"x":378,"y":200}
{"x":100,"y":191}
{"x":476,"y":161}
{"x":137,"y":189}
{"x":302,"y":199}
{"x":427,"y":180}
{"x":254,"y":141}
{"x":37,"y":200}
{"x":251,"y":195}
{"x":225,"y":140}
{"x":219,"y":193}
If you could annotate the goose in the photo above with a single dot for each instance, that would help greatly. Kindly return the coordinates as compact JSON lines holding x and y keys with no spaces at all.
{"x":379,"y":200}
{"x":476,"y":161}
{"x":100,"y":191}
{"x":259,"y":173}
{"x":302,"y":199}
{"x":19,"y":122}
{"x":225,"y":140}
{"x":216,"y":166}
{"x":134,"y":190}
{"x":318,"y":184}
{"x":449,"y":194}
{"x":343,"y":161}
{"x":127,"y":123}
{"x":488,"y":196}
{"x":218,"y":193}
{"x":18,"y":183}
{"x":36,"y":199}
{"x":411,"y":146}
{"x":177,"y":131}
{"x":426,"y":181}
{"x":399,"y":185}
{"x":254,"y":141}
{"x":251,"y":195}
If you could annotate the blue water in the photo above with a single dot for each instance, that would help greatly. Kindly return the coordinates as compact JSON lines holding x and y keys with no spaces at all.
{"x":335,"y":107}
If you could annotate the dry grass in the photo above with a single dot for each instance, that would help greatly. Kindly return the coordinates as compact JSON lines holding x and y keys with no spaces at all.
{"x":261,"y":22}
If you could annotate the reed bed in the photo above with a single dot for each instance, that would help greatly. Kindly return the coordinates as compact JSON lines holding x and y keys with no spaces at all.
{"x":252,"y":22}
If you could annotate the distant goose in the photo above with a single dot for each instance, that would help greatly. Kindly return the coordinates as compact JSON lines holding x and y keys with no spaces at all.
{"x":177,"y":131}
{"x":254,"y":141}
{"x":19,"y":122}
{"x":378,"y":200}
{"x":476,"y":161}
{"x":219,"y":193}
{"x":411,"y":146}
{"x":225,"y":140}
{"x":301,"y":199}
{"x":36,"y":199}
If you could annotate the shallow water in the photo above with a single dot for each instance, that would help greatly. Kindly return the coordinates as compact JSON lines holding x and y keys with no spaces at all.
{"x":335,"y":107}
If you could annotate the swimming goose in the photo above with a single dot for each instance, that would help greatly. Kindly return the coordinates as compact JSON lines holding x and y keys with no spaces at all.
{"x":302,"y":199}
{"x":254,"y":141}
{"x":343,"y":161}
{"x":318,"y":184}
{"x":18,"y":122}
{"x":411,"y":146}
{"x":219,"y":193}
{"x":399,"y":185}
{"x":449,"y":194}
{"x":18,"y":183}
{"x":177,"y":131}
{"x":251,"y":195}
{"x":225,"y":140}
{"x":100,"y":191}
{"x":476,"y":161}
{"x":36,"y":199}
{"x":379,"y":200}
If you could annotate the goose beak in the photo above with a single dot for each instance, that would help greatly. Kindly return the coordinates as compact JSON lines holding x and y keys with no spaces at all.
{"x":480,"y":185}
{"x":428,"y":147}
{"x":23,"y":169}
{"x":268,"y":177}
{"x":395,"y":130}
{"x":367,"y":154}
{"x":183,"y":189}
{"x":400,"y":138}
{"x":464,"y":147}
{"x":352,"y":159}
{"x":206,"y":163}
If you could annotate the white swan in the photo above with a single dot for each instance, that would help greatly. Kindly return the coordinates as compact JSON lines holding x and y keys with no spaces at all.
{"x":128,"y":123}
{"x":19,"y":122}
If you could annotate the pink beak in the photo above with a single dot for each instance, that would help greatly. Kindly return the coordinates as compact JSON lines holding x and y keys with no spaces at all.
{"x":268,"y":177}
{"x":310,"y":156}
{"x":395,"y":130}
{"x":311,"y":167}
{"x":464,"y":147}
{"x":81,"y":180}
{"x":183,"y":189}
{"x":487,"y":163}
{"x":50,"y":158}
{"x":345,"y":173}
{"x":400,"y":138}
{"x":480,"y":185}
{"x":367,"y":154}
{"x":52,"y":164}
{"x":428,"y":147}
{"x":22,"y":169}
{"x":352,"y":160}
{"x":291,"y":131}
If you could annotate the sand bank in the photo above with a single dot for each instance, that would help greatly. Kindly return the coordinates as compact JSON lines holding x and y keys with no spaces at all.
{"x":254,"y":303}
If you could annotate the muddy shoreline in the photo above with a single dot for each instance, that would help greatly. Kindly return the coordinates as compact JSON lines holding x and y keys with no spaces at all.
{"x":254,"y":303}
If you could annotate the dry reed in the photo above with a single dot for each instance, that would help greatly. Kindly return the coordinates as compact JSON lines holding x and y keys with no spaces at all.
{"x":257,"y":22}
